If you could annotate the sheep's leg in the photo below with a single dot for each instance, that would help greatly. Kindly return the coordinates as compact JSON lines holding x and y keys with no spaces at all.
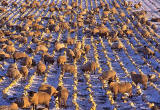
{"x":59,"y":100}
{"x":65,"y":104}
{"x":130,"y":93}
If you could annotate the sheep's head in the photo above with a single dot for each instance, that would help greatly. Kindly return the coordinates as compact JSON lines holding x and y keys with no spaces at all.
{"x":31,"y":93}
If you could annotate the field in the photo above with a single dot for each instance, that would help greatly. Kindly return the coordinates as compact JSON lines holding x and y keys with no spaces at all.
{"x":99,"y":23}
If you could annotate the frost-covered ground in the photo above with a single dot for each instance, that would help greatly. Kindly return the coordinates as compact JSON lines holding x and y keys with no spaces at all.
{"x":90,"y":93}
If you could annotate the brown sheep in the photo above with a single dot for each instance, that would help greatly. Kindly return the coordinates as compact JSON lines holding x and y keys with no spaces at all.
{"x":139,"y":78}
{"x":19,"y":55}
{"x":87,"y":48}
{"x":109,"y":75}
{"x":89,"y":67}
{"x":27,"y":61}
{"x":121,"y":87}
{"x":42,"y":98}
{"x":68,"y":68}
{"x":23,"y":102}
{"x":62,"y":96}
{"x":41,"y":48}
{"x":12,"y":106}
{"x":48,"y":58}
{"x":24,"y":71}
{"x":59,"y":46}
{"x":48,"y":89}
{"x":117,"y":45}
{"x":148,"y":52}
{"x":41,"y":68}
{"x":13,"y":71}
{"x":61,"y":60}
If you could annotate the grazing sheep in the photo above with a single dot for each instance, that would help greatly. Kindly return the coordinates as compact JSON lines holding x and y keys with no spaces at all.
{"x":139,"y":78}
{"x":41,"y":68}
{"x":78,"y":52}
{"x":62,"y":96}
{"x":87,"y":48}
{"x":48,"y":89}
{"x":68,"y":68}
{"x":41,"y":48}
{"x":48,"y":58}
{"x":19,"y":55}
{"x":70,"y":54}
{"x":42,"y":98}
{"x":27,"y":61}
{"x":24,"y":71}
{"x":121,"y":87}
{"x":12,"y":106}
{"x":148,"y":52}
{"x":61,"y":60}
{"x":109,"y":75}
{"x":13,"y":71}
{"x":70,"y":41}
{"x":89,"y":67}
{"x":117,"y":45}
{"x":23,"y":102}
{"x":59,"y":46}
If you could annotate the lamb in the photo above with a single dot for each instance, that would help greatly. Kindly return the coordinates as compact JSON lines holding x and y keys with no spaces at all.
{"x":68,"y":68}
{"x":118,"y":45}
{"x":19,"y":55}
{"x":12,"y":106}
{"x":87,"y":48}
{"x":61,"y":60}
{"x":89,"y":67}
{"x":139,"y":78}
{"x":41,"y":48}
{"x":41,"y":68}
{"x":121,"y":87}
{"x":13,"y":71}
{"x":48,"y":58}
{"x":62,"y":96}
{"x":36,"y":98}
{"x":70,"y":41}
{"x":48,"y":89}
{"x":148,"y":52}
{"x":27,"y":61}
{"x":23,"y":102}
{"x":70,"y":54}
{"x":24,"y":71}
{"x":109,"y":75}
{"x":59,"y":46}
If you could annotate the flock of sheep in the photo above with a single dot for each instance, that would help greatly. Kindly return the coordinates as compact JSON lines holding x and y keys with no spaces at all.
{"x":69,"y":50}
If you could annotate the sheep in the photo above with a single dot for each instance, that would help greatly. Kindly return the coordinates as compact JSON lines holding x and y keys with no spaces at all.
{"x":36,"y":98}
{"x":108,"y":75}
{"x":148,"y":52}
{"x":41,"y":48}
{"x":48,"y":58}
{"x":117,"y":45}
{"x":70,"y":41}
{"x":78,"y":45}
{"x":62,"y":95}
{"x":23,"y":102}
{"x":89,"y":67}
{"x":139,"y":78}
{"x":61,"y":60}
{"x":70,"y":54}
{"x":13,"y":71}
{"x":27,"y":61}
{"x":12,"y":106}
{"x":24,"y":71}
{"x":59,"y":46}
{"x":87,"y":48}
{"x":48,"y":89}
{"x":120,"y":87}
{"x":4,"y":55}
{"x":41,"y":68}
{"x":9,"y":48}
{"x":19,"y":55}
{"x":68,"y":68}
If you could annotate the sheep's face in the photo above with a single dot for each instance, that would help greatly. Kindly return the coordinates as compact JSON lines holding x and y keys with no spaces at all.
{"x":31,"y":93}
